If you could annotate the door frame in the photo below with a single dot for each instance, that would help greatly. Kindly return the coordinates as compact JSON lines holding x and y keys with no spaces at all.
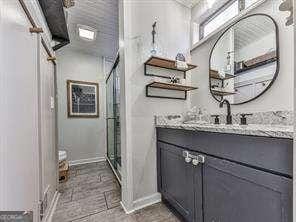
{"x":50,"y":58}
{"x":42,"y":38}
{"x":114,"y":168}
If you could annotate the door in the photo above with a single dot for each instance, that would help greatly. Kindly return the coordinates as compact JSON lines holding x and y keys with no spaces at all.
{"x":177,"y":180}
{"x":110,"y":120}
{"x":113,"y":118}
{"x":48,"y":152}
{"x":233,"y":192}
{"x":19,"y":110}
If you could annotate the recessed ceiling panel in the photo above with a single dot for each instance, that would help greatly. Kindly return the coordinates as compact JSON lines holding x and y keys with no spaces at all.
{"x":101,"y":15}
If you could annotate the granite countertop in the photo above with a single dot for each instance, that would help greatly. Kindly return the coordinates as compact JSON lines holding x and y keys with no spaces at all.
{"x":277,"y":131}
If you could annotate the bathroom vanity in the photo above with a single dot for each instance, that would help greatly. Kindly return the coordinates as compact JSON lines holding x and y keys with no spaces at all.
{"x":231,"y":173}
{"x":226,"y":174}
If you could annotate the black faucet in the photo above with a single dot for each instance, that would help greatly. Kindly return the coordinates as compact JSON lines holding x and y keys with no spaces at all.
{"x":228,"y":117}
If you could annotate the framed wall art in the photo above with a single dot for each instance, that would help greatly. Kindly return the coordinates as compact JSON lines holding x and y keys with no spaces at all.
{"x":83,"y":99}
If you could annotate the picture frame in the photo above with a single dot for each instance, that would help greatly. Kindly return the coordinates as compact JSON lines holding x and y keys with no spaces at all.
{"x":82,"y":99}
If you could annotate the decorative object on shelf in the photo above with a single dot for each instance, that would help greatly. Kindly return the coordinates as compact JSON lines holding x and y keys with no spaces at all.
{"x":287,"y":5}
{"x":181,"y":61}
{"x":83,"y":99}
{"x":228,"y":67}
{"x":222,"y":73}
{"x":174,"y":79}
{"x":239,"y":65}
{"x":154,"y":47}
{"x":180,"y":57}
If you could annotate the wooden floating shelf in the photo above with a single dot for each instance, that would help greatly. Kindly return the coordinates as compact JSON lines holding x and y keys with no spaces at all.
{"x":222,"y":93}
{"x":215,"y":75}
{"x":167,"y":64}
{"x":254,"y":66}
{"x":171,"y":86}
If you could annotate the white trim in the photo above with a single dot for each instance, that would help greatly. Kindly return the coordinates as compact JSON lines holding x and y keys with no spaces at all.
{"x":146,"y":201}
{"x":229,"y":23}
{"x":125,"y":209}
{"x":84,"y":161}
{"x":294,"y":141}
{"x":53,"y":205}
{"x":188,"y":3}
{"x":114,"y":171}
{"x":142,"y":203}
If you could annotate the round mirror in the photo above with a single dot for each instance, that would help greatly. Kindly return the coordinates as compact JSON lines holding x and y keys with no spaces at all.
{"x":244,"y":61}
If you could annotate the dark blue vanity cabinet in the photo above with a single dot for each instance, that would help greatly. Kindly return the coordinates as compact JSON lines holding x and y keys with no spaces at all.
{"x":179,"y":181}
{"x":230,"y":185}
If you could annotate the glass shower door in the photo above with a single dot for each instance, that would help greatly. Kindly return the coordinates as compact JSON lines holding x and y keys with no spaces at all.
{"x":110,"y":121}
{"x":113,"y":120}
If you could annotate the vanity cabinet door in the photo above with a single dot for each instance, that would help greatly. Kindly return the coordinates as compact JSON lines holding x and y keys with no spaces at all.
{"x":233,"y":192}
{"x":176,"y":180}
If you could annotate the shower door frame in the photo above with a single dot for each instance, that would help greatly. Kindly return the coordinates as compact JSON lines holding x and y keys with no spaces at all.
{"x":113,"y":166}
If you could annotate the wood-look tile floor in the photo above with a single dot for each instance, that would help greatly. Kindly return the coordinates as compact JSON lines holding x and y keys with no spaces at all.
{"x":92,"y":194}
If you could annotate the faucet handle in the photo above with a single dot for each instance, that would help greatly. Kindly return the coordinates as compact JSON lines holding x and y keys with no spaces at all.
{"x":244,"y":119}
{"x":217,"y":121}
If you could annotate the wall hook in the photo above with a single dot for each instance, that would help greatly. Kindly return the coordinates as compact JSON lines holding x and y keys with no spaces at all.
{"x":51,"y":58}
{"x":36,"y":30}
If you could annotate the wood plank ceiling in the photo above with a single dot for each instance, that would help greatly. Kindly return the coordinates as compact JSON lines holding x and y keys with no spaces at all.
{"x":101,"y":15}
{"x":252,"y":29}
{"x":188,"y":3}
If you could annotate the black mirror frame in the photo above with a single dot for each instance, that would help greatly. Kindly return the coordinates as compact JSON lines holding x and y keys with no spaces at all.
{"x":277,"y":55}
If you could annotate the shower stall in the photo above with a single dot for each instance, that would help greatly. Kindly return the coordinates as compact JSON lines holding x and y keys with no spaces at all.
{"x":113,"y":119}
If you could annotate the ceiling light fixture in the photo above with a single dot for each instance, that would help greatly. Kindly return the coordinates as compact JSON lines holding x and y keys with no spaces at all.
{"x":87,"y":33}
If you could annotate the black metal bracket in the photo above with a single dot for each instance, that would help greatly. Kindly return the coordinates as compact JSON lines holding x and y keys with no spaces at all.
{"x":160,"y":76}
{"x":165,"y":97}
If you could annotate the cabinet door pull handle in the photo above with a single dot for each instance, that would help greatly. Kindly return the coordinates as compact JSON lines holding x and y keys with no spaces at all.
{"x":195,"y":162}
{"x":201,"y":158}
{"x":187,"y":156}
{"x":188,"y":159}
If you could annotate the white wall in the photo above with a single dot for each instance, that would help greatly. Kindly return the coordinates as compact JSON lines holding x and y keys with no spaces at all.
{"x":20,"y":154}
{"x":83,"y":138}
{"x":294,"y":144}
{"x":278,"y":97}
{"x":139,"y":147}
{"x":47,"y":132}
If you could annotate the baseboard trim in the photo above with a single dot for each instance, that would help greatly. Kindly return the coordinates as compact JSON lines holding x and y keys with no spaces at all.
{"x":52,"y":207}
{"x":125,"y":209}
{"x":114,"y":171}
{"x":85,"y":161}
{"x":146,"y":201}
{"x":142,"y":203}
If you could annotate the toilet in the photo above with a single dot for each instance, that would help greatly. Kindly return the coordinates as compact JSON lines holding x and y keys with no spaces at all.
{"x":62,"y":155}
{"x":63,"y":166}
